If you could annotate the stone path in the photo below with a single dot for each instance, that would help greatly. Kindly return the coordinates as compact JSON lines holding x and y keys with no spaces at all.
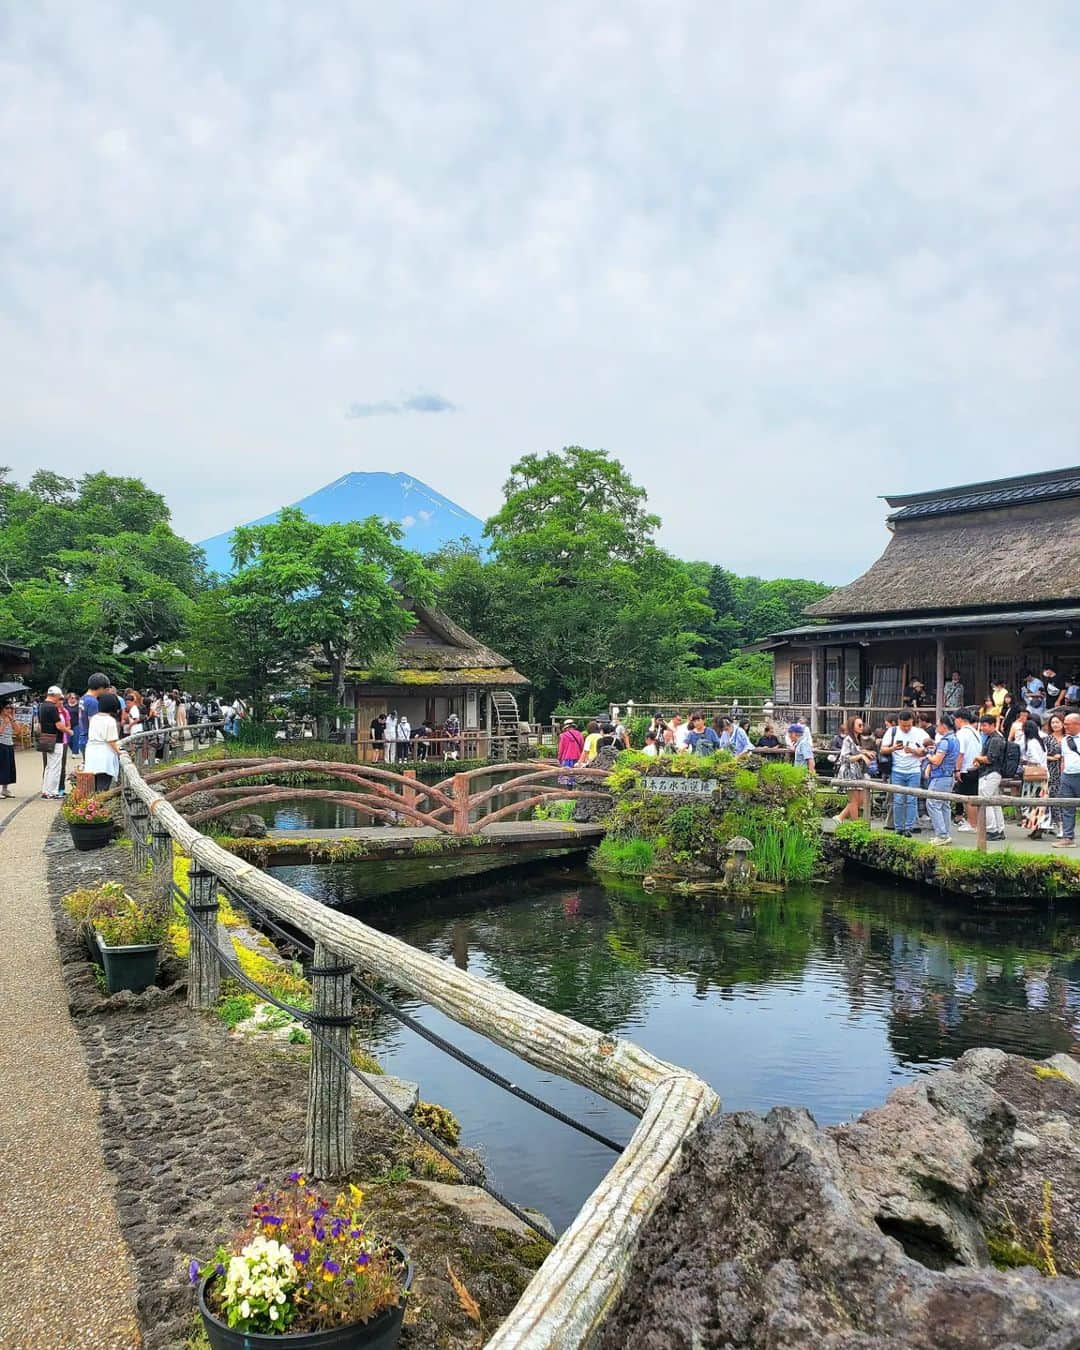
{"x":64,"y":1267}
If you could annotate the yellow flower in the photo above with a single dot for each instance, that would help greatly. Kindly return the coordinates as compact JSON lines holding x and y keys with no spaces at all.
{"x":356,"y":1193}
{"x":327,"y":1276}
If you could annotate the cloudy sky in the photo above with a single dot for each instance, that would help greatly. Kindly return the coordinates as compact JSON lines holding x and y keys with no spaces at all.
{"x":777,"y":257}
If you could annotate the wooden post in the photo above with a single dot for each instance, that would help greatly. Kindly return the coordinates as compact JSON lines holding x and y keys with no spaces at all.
{"x":408,"y":796}
{"x":204,"y":971}
{"x":84,"y":783}
{"x":939,"y":677}
{"x":868,"y":804}
{"x":815,"y":692}
{"x":980,"y":827}
{"x":161,"y":858}
{"x":459,"y":787}
{"x":328,"y":1138}
{"x":139,"y":825}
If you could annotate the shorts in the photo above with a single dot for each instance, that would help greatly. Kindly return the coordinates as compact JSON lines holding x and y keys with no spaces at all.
{"x":967,"y":785}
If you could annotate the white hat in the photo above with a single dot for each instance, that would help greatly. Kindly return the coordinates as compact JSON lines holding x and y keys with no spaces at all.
{"x":55,"y":689}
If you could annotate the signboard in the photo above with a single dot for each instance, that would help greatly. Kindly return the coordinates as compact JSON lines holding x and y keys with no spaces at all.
{"x":681,"y":787}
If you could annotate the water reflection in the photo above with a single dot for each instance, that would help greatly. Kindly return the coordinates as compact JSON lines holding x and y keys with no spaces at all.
{"x":823,"y":997}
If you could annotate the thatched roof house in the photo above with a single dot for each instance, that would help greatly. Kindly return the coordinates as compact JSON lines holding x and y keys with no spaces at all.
{"x":983,"y":579}
{"x":437,"y":669}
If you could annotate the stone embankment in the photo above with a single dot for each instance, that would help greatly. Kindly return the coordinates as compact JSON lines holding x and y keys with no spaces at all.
{"x":193,"y":1115}
{"x":947,"y":1219}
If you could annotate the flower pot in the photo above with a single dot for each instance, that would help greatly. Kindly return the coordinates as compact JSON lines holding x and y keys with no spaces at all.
{"x":88,"y":836}
{"x":131,"y":968}
{"x":92,"y":948}
{"x":381,"y":1333}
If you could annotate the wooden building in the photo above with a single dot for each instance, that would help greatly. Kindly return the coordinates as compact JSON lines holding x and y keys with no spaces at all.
{"x":983,"y":579}
{"x":14,"y":661}
{"x":440,"y":669}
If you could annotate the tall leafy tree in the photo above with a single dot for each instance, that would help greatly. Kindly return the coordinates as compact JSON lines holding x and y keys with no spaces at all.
{"x":576,"y":592}
{"x":336,"y":589}
{"x":91,"y":572}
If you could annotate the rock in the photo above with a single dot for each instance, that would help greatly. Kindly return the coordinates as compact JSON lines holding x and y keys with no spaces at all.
{"x":198,"y":801}
{"x":879,"y":1232}
{"x":590,"y":810}
{"x":245,"y":825}
{"x":479,"y":1207}
{"x":401,"y":1092}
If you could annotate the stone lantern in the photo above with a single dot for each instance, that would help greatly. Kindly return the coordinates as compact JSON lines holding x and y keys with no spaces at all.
{"x":739,"y":870}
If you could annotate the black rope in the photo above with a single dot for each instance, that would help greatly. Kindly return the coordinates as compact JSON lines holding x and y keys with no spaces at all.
{"x":462,"y":1056}
{"x":312,"y":1021}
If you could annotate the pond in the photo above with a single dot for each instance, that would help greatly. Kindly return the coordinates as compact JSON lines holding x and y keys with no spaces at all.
{"x":826,"y":997}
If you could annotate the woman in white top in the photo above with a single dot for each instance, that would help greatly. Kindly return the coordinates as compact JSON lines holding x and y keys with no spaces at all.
{"x":1036,"y":776}
{"x":102,"y":754}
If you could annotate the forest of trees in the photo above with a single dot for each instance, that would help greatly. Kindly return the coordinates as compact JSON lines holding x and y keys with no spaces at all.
{"x":572,"y":587}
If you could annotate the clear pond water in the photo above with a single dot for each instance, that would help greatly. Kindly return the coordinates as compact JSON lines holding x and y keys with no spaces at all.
{"x":826,"y":997}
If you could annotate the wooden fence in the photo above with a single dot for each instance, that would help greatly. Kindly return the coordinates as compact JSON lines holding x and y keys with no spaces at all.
{"x":570,"y":1294}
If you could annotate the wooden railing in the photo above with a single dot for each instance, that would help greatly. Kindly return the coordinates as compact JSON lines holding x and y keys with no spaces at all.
{"x":867,"y":787}
{"x":450,"y":806}
{"x":570,"y":1294}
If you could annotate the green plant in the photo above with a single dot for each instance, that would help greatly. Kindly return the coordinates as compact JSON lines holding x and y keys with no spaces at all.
{"x":554,"y":810}
{"x":130,"y":925}
{"x":628,"y":857}
{"x":298,"y":1036}
{"x":235,"y":1008}
{"x":442,"y":1123}
{"x":88,"y":901}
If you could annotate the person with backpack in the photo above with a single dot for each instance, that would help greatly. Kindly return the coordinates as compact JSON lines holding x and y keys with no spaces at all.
{"x":942,"y":759}
{"x":1070,"y":780}
{"x":905,"y":751}
{"x":1070,"y":695}
{"x":702,"y":740}
{"x":990,"y":764}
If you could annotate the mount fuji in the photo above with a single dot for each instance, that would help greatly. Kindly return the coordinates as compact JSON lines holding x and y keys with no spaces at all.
{"x":427,"y":518}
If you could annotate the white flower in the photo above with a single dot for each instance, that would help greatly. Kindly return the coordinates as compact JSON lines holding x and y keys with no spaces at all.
{"x":273,"y":1314}
{"x":245,"y":1309}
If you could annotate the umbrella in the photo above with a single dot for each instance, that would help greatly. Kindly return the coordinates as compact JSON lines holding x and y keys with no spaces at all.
{"x":11,"y":687}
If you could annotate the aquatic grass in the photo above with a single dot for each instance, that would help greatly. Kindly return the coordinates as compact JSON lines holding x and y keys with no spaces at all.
{"x":626,"y":857}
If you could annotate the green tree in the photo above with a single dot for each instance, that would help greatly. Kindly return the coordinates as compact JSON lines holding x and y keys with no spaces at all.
{"x":332,"y":588}
{"x":576,"y":593}
{"x":91,"y":573}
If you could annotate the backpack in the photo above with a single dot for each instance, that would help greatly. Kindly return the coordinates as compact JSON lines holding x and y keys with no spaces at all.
{"x":1072,"y":693}
{"x":1011,"y":765}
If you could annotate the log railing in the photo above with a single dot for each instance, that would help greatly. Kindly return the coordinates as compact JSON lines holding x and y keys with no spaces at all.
{"x":570,"y":1294}
{"x":866,"y":787}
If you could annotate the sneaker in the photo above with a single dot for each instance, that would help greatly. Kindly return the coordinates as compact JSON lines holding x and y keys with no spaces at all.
{"x":996,"y":838}
{"x":941,"y":840}
{"x":964,"y":827}
{"x":1064,"y":842}
{"x":915,"y":829}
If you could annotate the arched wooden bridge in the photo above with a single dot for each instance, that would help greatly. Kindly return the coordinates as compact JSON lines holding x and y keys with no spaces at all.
{"x":450,"y":809}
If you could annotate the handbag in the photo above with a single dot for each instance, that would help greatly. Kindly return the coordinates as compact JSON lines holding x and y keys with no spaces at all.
{"x":46,"y":742}
{"x":1035,"y":773}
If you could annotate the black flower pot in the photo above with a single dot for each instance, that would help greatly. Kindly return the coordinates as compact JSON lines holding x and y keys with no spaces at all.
{"x":133,"y":967}
{"x":88,"y":836}
{"x":381,"y":1333}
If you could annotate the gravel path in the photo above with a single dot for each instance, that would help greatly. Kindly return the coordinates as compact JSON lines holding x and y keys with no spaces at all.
{"x":64,"y":1268}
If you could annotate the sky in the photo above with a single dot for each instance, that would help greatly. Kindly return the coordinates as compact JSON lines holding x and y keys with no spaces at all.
{"x":778,"y":258}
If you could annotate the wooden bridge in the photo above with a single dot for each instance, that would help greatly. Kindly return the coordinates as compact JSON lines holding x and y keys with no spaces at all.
{"x":450,"y":811}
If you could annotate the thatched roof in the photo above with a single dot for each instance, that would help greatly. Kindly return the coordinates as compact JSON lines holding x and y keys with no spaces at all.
{"x":437,"y":651}
{"x":1023,"y":554}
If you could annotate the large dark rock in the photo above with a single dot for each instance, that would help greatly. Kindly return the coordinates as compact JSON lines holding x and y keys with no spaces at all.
{"x":592,"y":810}
{"x":775,"y":1233}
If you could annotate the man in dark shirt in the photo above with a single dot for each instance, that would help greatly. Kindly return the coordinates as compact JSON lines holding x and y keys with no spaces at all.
{"x":52,"y":725}
{"x":378,"y":727}
{"x":88,"y":706}
{"x":990,"y":765}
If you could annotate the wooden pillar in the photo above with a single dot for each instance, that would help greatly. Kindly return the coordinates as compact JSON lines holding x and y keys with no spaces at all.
{"x":328,"y":1138}
{"x":980,"y":827}
{"x":161,"y":858}
{"x":867,"y":804}
{"x":408,"y":794}
{"x":460,"y":790}
{"x":204,"y":970}
{"x":939,"y":678}
{"x":139,"y":824}
{"x":815,"y":689}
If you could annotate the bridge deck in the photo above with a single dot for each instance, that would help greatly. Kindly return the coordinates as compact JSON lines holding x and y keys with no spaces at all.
{"x":391,"y":841}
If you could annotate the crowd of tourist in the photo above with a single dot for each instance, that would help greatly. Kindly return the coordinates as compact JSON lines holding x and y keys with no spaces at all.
{"x":84,"y":731}
{"x":394,"y":740}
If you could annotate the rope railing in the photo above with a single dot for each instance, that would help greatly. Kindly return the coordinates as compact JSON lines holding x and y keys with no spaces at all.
{"x":566,"y":1300}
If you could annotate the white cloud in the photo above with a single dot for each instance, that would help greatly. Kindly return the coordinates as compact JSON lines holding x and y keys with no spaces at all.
{"x":779,"y":258}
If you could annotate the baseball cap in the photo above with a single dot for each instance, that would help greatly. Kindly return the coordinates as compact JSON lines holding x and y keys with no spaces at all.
{"x":54,"y":689}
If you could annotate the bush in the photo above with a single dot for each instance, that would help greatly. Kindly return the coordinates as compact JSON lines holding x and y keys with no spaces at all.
{"x":628,"y":857}
{"x":130,"y":925}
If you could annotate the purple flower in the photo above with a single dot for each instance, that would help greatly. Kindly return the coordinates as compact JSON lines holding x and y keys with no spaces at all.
{"x":354,"y":1232}
{"x":349,"y":1283}
{"x":309,"y":1286}
{"x":193,"y":1271}
{"x":272,"y":1219}
{"x":219,"y":1269}
{"x":321,"y":1209}
{"x":331,"y":1266}
{"x":320,"y":1234}
{"x":301,"y":1258}
{"x":363,"y":1259}
{"x":295,"y":1176}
